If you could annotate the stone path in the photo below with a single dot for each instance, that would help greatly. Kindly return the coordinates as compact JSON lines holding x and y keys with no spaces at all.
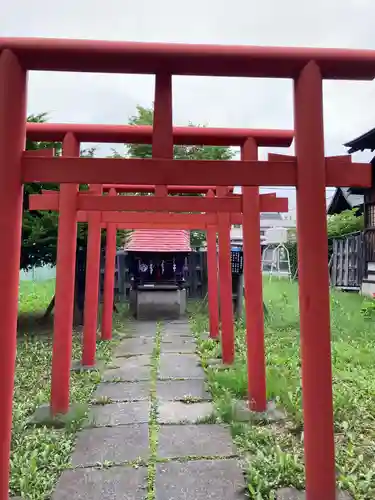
{"x":151,"y":433}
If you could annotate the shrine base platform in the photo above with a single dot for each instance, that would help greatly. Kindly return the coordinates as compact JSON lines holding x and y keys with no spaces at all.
{"x":154,"y":302}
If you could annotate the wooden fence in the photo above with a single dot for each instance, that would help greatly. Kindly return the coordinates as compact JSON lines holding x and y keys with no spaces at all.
{"x":347,"y":262}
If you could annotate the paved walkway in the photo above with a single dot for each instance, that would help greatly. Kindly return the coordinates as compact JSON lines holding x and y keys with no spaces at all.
{"x":150,"y":433}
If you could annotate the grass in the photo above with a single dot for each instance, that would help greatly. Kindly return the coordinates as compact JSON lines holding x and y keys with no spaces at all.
{"x":40,"y":454}
{"x":273,"y":454}
{"x":153,"y":422}
{"x":34,"y":296}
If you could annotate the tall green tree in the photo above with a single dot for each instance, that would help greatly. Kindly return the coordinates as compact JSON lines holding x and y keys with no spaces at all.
{"x":145,"y":116}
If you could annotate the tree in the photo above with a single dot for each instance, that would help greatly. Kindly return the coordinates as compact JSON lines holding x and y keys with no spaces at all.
{"x":145,"y":116}
{"x":39,"y":229}
{"x":345,"y":222}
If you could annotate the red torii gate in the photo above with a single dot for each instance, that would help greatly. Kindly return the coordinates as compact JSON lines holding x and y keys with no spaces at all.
{"x":143,"y":135}
{"x":310,"y":171}
{"x":201,"y":136}
{"x":133,"y":220}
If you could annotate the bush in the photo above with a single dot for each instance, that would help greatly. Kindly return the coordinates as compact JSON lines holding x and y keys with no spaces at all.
{"x":338,"y":225}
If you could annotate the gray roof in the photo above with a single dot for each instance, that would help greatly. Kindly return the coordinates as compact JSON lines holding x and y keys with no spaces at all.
{"x":271,"y":215}
{"x":354,"y":200}
{"x":364,"y":141}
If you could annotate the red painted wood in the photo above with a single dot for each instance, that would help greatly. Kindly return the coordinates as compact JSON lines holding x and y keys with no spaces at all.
{"x":212,"y":269}
{"x":339,"y":159}
{"x":50,"y":152}
{"x":225,"y":285}
{"x":273,"y":204}
{"x":151,"y":171}
{"x":329,"y":159}
{"x":109,"y":278}
{"x":162,"y":137}
{"x":50,"y":201}
{"x":190,"y":220}
{"x":313,"y":175}
{"x":90,"y":312}
{"x":48,"y":54}
{"x":140,"y":134}
{"x":260,"y":173}
{"x":280,"y":157}
{"x":144,"y":189}
{"x":256,"y":363}
{"x":348,"y":174}
{"x":64,"y":292}
{"x":160,"y":204}
{"x":12,"y":142}
{"x":314,"y":287}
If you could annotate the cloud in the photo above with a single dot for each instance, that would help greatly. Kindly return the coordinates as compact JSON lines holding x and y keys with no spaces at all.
{"x":217,"y":102}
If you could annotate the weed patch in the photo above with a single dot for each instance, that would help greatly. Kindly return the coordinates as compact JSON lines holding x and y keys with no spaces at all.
{"x":273,"y":454}
{"x":40,"y":454}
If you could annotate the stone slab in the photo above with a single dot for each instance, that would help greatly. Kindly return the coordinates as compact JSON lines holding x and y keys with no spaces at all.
{"x":179,"y":331}
{"x":123,"y":391}
{"x":115,"y":483}
{"x":242,"y":413}
{"x":135,"y":346}
{"x":134,"y":334}
{"x":200,"y":480}
{"x":176,"y":326}
{"x":209,"y":440}
{"x":178,"y":390}
{"x":77,"y":367}
{"x":170,"y":337}
{"x":177,"y":412}
{"x":180,"y":366}
{"x":124,"y":443}
{"x":182,"y":321}
{"x":136,"y":412}
{"x":42,"y":417}
{"x":293,"y":494}
{"x":130,"y":369}
{"x":177,"y":345}
{"x":142,"y":329}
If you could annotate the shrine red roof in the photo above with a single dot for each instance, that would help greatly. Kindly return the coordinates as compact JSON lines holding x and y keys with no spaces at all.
{"x":158,"y":240}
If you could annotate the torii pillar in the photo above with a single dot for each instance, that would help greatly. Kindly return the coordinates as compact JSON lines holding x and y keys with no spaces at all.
{"x":256,"y":368}
{"x":13,"y":93}
{"x":91,"y":307}
{"x":64,"y":292}
{"x":213,"y":291}
{"x":313,"y":281}
{"x":109,"y":277}
{"x":225,"y":275}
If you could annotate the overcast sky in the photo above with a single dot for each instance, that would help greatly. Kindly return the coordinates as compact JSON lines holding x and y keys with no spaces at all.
{"x":349,"y":108}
